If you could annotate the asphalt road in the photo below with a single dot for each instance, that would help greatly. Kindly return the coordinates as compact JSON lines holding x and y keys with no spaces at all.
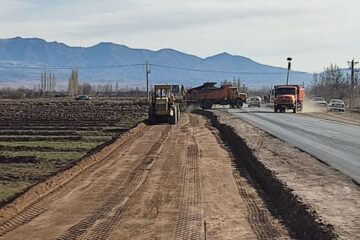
{"x":336,"y":144}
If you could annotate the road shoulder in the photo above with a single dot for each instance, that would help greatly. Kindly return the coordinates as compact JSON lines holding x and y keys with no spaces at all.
{"x":350,"y":118}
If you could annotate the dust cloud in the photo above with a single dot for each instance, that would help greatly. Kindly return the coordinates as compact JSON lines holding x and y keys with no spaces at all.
{"x":311,"y":107}
{"x":191,"y":108}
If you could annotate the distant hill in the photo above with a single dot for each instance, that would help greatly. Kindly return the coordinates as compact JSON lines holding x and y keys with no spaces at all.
{"x":23,"y":59}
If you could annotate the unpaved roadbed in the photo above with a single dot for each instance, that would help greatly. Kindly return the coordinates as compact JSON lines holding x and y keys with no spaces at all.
{"x":322,"y":202}
{"x":166,"y":182}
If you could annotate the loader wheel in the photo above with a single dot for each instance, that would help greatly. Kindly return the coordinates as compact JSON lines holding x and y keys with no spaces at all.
{"x":178,"y":114}
{"x":173,"y":119}
{"x":151,"y":117}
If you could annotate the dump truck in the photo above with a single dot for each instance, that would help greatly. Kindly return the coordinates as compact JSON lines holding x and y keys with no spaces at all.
{"x":289,"y":97}
{"x":208,"y":94}
{"x":163,"y":106}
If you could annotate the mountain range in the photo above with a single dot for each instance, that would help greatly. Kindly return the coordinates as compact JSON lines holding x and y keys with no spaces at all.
{"x":22,"y":60}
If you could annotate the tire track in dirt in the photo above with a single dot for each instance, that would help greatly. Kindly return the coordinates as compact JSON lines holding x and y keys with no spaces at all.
{"x":259,"y":216}
{"x":43,"y":204}
{"x":189,"y":220}
{"x":99,"y":223}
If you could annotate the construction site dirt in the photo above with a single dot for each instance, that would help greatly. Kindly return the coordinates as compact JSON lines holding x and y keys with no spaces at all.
{"x":187,"y":181}
{"x":163,"y":181}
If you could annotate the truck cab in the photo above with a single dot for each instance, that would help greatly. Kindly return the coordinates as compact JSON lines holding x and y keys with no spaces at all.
{"x":288,"y":97}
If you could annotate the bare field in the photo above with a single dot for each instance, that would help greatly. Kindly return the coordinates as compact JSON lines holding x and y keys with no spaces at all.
{"x":40,"y":137}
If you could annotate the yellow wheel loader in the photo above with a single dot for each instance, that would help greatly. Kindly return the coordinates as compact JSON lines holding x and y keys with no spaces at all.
{"x":163,"y":107}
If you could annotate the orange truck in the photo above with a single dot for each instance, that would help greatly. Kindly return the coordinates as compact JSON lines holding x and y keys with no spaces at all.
{"x":208,"y":94}
{"x":289,"y":97}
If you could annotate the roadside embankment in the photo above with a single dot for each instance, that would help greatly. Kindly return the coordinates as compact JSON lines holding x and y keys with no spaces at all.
{"x":315,"y":201}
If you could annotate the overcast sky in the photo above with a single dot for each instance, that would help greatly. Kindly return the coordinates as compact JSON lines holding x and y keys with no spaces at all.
{"x":314,"y":34}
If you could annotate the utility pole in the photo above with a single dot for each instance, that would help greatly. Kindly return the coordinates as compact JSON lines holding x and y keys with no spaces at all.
{"x":147,"y":69}
{"x":352,"y":67}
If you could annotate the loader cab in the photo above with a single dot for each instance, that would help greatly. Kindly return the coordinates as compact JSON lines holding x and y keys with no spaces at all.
{"x":162,"y":98}
{"x":162,"y":91}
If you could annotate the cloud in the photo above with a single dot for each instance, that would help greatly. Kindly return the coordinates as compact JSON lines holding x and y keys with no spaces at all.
{"x":10,"y":8}
{"x":260,"y":29}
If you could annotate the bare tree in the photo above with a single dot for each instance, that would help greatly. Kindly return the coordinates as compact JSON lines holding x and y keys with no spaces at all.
{"x":86,"y":88}
{"x":331,"y":83}
{"x":73,"y":86}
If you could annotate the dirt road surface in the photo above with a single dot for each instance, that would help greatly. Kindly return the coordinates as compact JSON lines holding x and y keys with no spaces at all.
{"x":169,"y":182}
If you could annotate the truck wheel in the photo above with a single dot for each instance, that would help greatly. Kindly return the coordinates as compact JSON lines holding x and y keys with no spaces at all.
{"x":275,"y":110}
{"x":239,"y":103}
{"x":207,"y":105}
{"x":295,"y":108}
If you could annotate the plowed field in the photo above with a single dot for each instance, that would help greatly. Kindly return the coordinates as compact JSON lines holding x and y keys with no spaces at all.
{"x":41,"y":137}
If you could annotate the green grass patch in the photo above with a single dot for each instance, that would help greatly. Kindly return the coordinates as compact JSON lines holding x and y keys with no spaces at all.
{"x":58,"y":145}
{"x":95,"y":133}
{"x":44,"y":155}
{"x":25,"y":171}
{"x":9,"y":189}
{"x":98,"y":139}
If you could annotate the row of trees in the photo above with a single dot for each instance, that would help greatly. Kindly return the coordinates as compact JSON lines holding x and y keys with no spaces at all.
{"x":47,"y":82}
{"x":334,"y":82}
{"x":235,"y":83}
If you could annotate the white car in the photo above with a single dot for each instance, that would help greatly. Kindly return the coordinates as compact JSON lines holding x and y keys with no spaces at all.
{"x":254,"y":101}
{"x":336,"y":104}
{"x":319,"y":101}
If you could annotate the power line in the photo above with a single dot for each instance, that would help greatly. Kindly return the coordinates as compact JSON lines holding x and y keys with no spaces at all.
{"x":218,"y":71}
{"x":142,"y":64}
{"x":67,"y":68}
